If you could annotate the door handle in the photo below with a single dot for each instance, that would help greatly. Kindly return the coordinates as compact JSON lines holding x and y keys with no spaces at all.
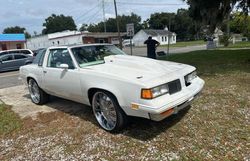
{"x":44,"y":72}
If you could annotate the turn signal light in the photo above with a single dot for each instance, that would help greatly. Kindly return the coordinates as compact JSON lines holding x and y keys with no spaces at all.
{"x":168,"y":112}
{"x":146,"y":94}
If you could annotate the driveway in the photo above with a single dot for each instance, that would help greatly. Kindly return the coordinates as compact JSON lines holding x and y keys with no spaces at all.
{"x":9,"y":79}
{"x":18,"y":97}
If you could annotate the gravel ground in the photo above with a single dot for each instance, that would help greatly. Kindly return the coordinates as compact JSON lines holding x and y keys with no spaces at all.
{"x":215,"y":127}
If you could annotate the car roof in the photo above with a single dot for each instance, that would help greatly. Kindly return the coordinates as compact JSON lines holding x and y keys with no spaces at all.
{"x":15,"y":50}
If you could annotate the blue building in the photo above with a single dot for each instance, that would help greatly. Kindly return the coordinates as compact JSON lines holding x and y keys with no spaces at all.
{"x":12,"y":41}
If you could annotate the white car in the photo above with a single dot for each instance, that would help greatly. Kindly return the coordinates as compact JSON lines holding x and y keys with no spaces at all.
{"x":116,"y":85}
{"x":126,"y":43}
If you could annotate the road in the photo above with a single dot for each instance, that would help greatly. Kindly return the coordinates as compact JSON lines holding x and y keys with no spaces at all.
{"x":142,"y":51}
{"x":9,"y":79}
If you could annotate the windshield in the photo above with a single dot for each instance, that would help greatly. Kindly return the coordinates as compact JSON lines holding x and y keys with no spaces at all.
{"x":93,"y":55}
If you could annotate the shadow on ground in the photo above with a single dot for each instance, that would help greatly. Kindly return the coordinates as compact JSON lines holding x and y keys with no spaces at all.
{"x":138,"y":128}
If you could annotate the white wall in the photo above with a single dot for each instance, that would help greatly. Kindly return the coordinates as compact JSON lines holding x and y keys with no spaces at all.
{"x":50,"y":40}
{"x":38,"y":42}
{"x":69,"y":40}
{"x":139,"y":38}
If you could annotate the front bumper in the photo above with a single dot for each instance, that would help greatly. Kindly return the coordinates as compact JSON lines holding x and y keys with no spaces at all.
{"x":165,"y":106}
{"x":171,"y":111}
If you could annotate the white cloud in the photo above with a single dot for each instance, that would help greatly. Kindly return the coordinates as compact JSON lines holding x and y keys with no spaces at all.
{"x":109,"y":15}
{"x":32,"y":13}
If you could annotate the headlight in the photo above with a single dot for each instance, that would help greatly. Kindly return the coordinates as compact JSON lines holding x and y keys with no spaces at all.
{"x":154,"y":92}
{"x":190,"y":77}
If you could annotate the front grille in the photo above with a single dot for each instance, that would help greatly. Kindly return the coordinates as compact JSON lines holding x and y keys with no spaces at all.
{"x":174,"y":86}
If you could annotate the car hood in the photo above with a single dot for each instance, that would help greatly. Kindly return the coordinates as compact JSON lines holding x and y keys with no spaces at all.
{"x":139,"y":69}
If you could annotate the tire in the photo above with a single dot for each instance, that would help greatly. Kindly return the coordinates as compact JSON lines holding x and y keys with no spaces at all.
{"x":38,"y":96}
{"x":108,"y":112}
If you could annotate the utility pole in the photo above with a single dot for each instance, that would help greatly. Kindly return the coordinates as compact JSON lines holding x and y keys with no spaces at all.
{"x":118,"y":26}
{"x":104,"y":18}
{"x":169,"y":24}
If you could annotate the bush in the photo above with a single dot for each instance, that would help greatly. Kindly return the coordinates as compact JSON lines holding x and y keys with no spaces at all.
{"x":224,"y":40}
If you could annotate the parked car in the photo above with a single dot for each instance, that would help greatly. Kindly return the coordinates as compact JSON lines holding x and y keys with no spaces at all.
{"x":116,"y":85}
{"x":126,"y":43}
{"x":22,"y":51}
{"x":14,"y":61}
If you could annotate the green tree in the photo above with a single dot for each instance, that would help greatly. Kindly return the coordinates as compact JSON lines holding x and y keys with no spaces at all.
{"x":161,"y":20}
{"x":58,"y":23}
{"x":240,"y":23}
{"x":213,"y":12}
{"x":16,"y":30}
{"x":180,"y":23}
{"x":111,"y":24}
{"x":84,"y":27}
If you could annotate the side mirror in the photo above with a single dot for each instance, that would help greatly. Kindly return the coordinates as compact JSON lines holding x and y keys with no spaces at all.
{"x":64,"y":66}
{"x":1,"y":62}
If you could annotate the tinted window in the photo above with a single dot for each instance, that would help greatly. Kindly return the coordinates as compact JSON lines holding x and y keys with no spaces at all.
{"x":18,"y":56}
{"x":15,"y":51}
{"x":25,"y":51}
{"x":58,"y":57}
{"x":3,"y":53}
{"x":7,"y":58}
{"x":39,"y":57}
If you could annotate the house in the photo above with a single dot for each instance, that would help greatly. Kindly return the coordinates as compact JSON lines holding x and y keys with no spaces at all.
{"x":101,"y":37}
{"x":72,"y":38}
{"x":161,"y":36}
{"x":12,"y":41}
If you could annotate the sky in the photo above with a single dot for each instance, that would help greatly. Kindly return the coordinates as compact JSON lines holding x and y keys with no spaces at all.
{"x":31,"y":14}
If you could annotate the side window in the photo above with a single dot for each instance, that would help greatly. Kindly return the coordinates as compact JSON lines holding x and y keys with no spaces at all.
{"x":58,"y":57}
{"x":19,"y":56}
{"x":14,"y":51}
{"x":7,"y":58}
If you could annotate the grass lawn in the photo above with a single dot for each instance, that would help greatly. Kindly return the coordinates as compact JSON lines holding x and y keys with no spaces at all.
{"x":243,"y":44}
{"x":186,"y":43}
{"x":9,"y":121}
{"x":215,"y":127}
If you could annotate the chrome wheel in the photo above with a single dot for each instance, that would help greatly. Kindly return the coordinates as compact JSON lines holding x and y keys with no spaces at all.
{"x":34,"y":91}
{"x":104,"y":110}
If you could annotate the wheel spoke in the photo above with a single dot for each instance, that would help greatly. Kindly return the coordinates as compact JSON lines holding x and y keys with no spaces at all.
{"x":104,"y":111}
{"x":34,"y":91}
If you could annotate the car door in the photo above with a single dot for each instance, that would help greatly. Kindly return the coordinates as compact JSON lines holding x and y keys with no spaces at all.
{"x":62,"y":82}
{"x":20,"y":60}
{"x":7,"y":63}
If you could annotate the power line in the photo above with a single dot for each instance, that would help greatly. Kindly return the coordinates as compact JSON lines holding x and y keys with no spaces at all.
{"x":87,"y":12}
{"x":92,"y":16}
{"x":151,"y":4}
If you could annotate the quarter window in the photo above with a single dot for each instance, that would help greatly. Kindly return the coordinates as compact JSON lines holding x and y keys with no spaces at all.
{"x":58,"y":57}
